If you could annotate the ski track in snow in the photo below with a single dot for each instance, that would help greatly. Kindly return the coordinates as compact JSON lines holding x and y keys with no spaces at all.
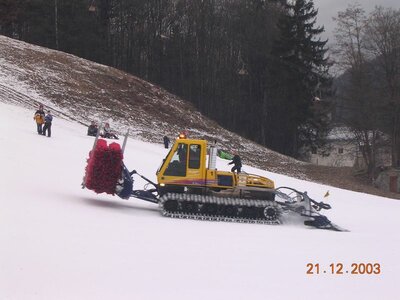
{"x":58,"y":241}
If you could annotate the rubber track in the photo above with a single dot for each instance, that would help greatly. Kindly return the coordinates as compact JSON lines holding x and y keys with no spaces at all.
{"x":240,"y":204}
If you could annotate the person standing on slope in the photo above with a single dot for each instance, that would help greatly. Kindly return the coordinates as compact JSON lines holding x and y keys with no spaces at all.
{"x":39,"y":118}
{"x":47,"y":124}
{"x":166,"y":142}
{"x":237,"y":163}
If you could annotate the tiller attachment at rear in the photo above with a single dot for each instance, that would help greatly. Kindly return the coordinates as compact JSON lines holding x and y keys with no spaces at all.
{"x":104,"y":167}
{"x":105,"y":172}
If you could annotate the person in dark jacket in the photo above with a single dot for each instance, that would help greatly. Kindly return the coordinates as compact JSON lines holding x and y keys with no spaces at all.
{"x":92,"y":129}
{"x":47,"y":124}
{"x":166,"y":142}
{"x":39,"y":118}
{"x":237,"y":163}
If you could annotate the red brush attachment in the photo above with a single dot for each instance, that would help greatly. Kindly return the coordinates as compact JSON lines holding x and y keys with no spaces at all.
{"x":104,"y":167}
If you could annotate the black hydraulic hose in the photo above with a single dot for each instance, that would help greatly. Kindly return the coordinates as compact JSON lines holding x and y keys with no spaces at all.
{"x":148,"y":180}
{"x":320,"y":205}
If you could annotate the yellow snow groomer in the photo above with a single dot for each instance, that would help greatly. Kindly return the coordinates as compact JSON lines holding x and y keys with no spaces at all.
{"x":190,"y":186}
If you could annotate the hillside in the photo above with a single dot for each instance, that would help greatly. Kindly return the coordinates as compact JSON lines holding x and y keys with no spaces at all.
{"x":59,"y":241}
{"x":80,"y":90}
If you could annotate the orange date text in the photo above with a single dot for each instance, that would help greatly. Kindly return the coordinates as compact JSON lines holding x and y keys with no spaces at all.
{"x":341,"y":269}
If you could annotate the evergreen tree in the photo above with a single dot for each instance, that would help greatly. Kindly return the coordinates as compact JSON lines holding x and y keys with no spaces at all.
{"x":302,"y":70}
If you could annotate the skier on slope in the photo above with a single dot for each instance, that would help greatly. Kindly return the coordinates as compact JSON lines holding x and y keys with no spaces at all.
{"x":48,"y":119}
{"x":39,"y":118}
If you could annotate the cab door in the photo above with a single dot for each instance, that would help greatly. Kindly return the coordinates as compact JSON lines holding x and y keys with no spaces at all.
{"x":195,"y":163}
{"x":178,"y":162}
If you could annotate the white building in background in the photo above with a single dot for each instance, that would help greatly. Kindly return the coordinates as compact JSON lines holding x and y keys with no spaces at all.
{"x":343,"y":150}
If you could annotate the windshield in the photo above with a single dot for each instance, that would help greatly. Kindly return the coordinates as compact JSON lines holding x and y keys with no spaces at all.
{"x":163,"y":161}
{"x":178,"y":163}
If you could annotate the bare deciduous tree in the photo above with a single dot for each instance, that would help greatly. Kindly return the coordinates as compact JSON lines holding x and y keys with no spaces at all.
{"x":383,"y":42}
{"x":349,"y":29}
{"x":359,"y":95}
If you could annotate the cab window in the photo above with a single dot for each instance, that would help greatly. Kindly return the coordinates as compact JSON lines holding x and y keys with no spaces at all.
{"x":194,"y":157}
{"x":163,"y":162}
{"x":177,"y":165}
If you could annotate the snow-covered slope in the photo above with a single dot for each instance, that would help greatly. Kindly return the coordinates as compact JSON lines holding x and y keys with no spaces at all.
{"x":58,"y":241}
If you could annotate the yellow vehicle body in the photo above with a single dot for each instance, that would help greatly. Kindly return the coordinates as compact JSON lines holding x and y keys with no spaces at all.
{"x":185,"y":169}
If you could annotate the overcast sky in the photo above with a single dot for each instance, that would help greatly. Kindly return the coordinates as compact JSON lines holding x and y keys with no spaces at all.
{"x":329,"y":8}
